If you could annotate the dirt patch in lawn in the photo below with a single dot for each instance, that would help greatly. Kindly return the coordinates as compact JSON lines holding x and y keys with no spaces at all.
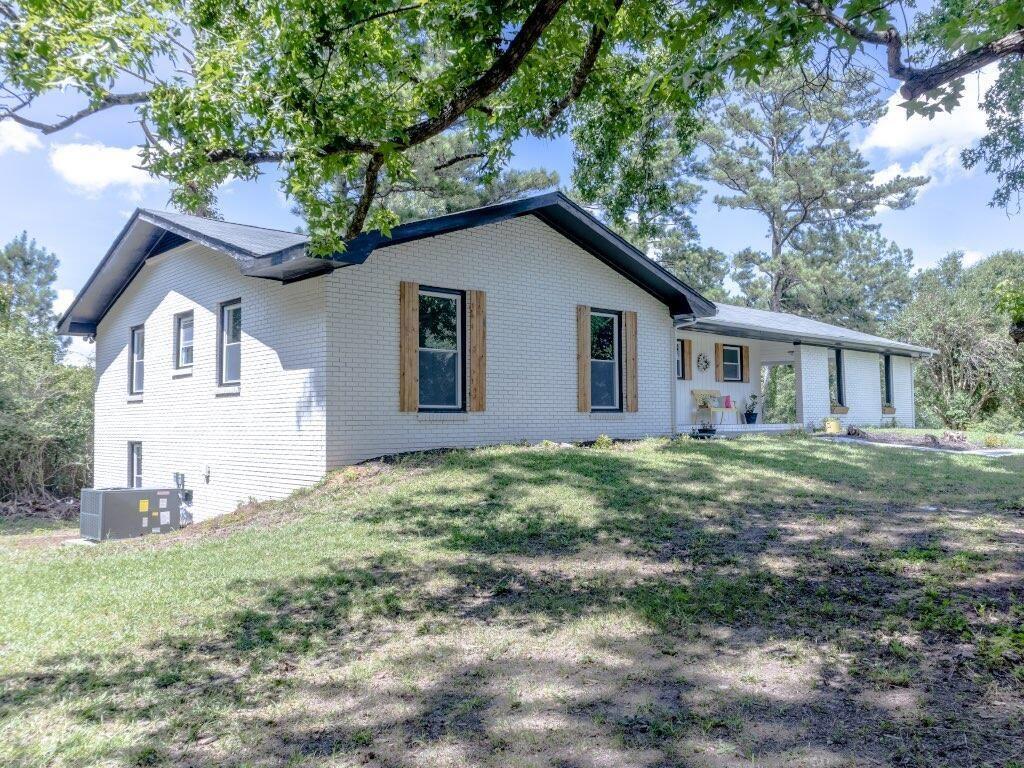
{"x":950,"y":441}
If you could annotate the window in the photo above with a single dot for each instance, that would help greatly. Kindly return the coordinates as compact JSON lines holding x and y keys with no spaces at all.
{"x":835,"y":378}
{"x":605,"y":373}
{"x":231,"y":342}
{"x":442,"y":368}
{"x":137,"y":363}
{"x":732,"y":363}
{"x":886,"y":380}
{"x":134,"y":465}
{"x":183,"y":332}
{"x":680,"y":363}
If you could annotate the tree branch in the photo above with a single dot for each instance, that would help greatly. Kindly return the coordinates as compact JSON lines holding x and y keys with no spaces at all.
{"x":917,"y":81}
{"x":579,"y":79}
{"x":107,"y":102}
{"x":355,"y":225}
{"x":497,"y":75}
{"x":458,"y":159}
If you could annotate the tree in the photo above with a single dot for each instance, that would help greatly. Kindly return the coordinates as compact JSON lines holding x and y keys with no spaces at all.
{"x":445,"y":177}
{"x":324,"y":88}
{"x":977,"y":371}
{"x":27,"y":273}
{"x":782,"y":149}
{"x":646,"y":193}
{"x":955,"y":38}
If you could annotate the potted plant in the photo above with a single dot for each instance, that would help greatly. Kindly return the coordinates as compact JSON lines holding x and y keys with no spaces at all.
{"x":750,"y":413}
{"x":1011,"y":301}
{"x":704,"y":431}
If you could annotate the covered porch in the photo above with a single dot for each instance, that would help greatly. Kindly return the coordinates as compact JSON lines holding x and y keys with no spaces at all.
{"x":724,"y":362}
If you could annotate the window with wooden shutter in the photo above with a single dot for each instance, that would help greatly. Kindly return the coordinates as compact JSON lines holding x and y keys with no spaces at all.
{"x":629,"y":344}
{"x":476,"y":353}
{"x":409,"y":334}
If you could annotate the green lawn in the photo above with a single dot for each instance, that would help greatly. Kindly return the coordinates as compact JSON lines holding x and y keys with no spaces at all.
{"x":763,"y":601}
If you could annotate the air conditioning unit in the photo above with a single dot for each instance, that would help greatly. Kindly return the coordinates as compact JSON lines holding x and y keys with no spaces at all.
{"x":123,"y":513}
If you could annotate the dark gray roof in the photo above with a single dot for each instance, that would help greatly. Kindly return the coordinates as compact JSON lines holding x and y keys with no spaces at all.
{"x":782,"y":326}
{"x":245,"y":238}
{"x":283,"y":256}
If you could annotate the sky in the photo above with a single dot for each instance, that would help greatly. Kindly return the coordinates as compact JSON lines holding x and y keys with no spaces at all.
{"x":73,"y":191}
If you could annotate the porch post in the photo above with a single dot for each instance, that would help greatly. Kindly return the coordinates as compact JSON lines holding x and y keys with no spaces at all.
{"x":810,"y":366}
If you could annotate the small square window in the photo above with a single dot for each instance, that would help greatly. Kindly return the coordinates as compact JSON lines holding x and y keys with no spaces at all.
{"x":732,"y":363}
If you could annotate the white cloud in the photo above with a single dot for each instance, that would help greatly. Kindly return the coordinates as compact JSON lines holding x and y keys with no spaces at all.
{"x":972,"y":257}
{"x":64,"y":298}
{"x":917,"y":146}
{"x":92,"y":168}
{"x":17,"y":138}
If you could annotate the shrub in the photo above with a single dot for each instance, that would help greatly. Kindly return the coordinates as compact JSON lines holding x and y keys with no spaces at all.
{"x":994,"y":441}
{"x":603,"y":441}
{"x":45,"y":417}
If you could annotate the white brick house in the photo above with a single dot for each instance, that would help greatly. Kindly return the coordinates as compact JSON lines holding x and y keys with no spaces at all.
{"x":225,"y":353}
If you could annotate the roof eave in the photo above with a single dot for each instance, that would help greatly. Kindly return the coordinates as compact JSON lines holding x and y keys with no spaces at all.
{"x":747,"y":332}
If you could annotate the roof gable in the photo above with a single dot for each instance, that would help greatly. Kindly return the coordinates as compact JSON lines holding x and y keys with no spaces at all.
{"x":283,"y":256}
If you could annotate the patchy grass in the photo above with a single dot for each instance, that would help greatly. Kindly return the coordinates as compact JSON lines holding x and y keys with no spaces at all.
{"x":764,"y":601}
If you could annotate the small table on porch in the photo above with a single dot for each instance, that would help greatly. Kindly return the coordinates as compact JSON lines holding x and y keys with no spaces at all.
{"x":702,"y":395}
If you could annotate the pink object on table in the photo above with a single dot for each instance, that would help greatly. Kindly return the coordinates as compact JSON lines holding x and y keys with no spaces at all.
{"x":728,"y":402}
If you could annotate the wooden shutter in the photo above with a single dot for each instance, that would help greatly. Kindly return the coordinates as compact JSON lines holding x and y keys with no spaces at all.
{"x":718,"y":362}
{"x":687,"y":359}
{"x":632,"y":402}
{"x":745,"y":357}
{"x":476,"y":353}
{"x":583,"y":359}
{"x":409,"y":347}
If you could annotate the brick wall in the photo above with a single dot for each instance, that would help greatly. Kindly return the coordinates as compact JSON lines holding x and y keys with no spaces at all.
{"x":534,"y":278}
{"x":263,"y":439}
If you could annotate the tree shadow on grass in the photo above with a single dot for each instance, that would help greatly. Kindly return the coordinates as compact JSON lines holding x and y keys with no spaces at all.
{"x":683,"y":620}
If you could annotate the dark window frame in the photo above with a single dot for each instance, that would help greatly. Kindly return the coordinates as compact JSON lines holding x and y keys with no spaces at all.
{"x":739,"y":362}
{"x":134,"y":463}
{"x":840,"y":384}
{"x":618,"y":363}
{"x":888,"y":396}
{"x":222,"y":343}
{"x":680,"y":360}
{"x":460,"y":343}
{"x":132,"y":389}
{"x":178,"y":365}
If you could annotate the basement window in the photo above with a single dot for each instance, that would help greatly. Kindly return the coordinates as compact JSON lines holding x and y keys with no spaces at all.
{"x":134,"y":464}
